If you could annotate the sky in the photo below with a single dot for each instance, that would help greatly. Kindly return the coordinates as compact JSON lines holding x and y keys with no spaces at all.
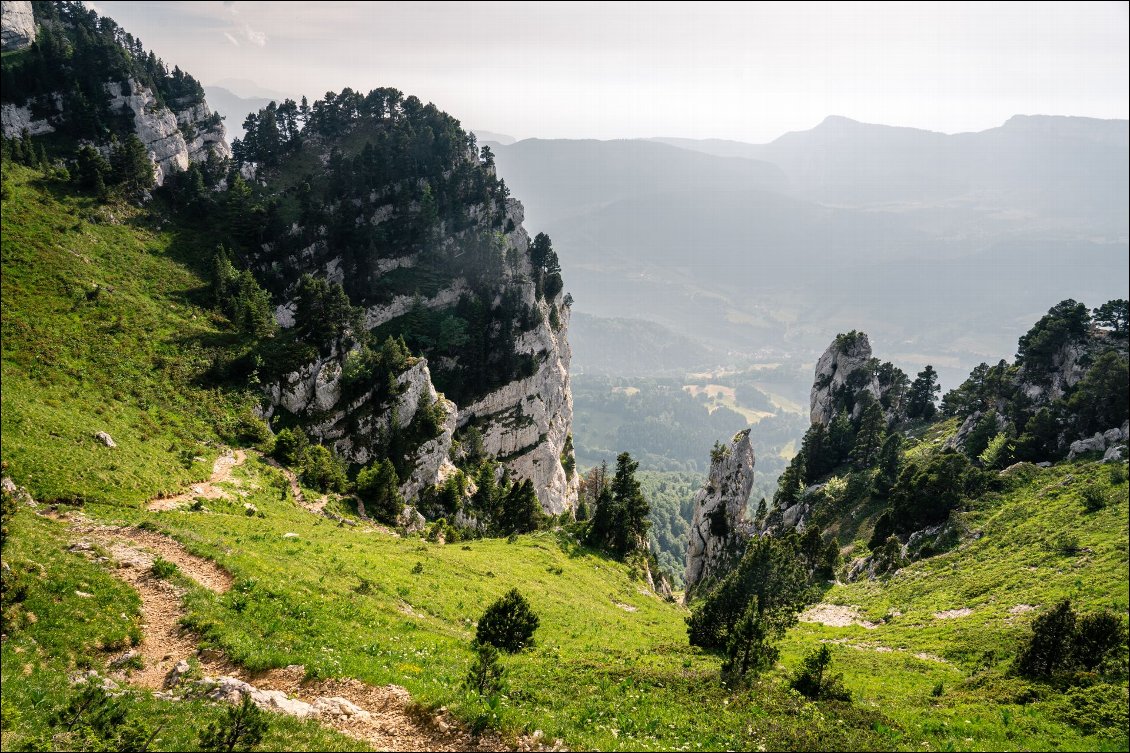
{"x":742,"y":71}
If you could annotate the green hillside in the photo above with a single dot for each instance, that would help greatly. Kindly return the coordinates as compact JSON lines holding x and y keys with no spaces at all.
{"x":611,"y":667}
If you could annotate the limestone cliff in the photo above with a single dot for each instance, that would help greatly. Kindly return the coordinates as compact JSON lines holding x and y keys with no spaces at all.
{"x":433,"y":251}
{"x":718,"y":526}
{"x":845,"y":371}
{"x":17,"y":25}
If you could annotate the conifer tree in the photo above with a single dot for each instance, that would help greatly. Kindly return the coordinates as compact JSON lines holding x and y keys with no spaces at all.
{"x":923,"y":392}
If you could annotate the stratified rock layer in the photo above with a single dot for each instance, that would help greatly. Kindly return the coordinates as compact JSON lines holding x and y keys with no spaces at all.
{"x":718,"y":527}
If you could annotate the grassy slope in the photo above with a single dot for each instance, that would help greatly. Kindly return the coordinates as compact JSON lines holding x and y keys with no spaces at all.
{"x":1017,"y":560}
{"x":60,"y":632}
{"x":128,"y":361}
{"x":600,"y":676}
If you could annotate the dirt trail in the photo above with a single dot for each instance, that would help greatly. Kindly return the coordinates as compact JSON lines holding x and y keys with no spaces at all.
{"x":383,"y":717}
{"x":221,"y":472}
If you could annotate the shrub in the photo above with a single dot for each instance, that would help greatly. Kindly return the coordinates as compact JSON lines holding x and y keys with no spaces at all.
{"x":379,"y":488}
{"x":290,"y":445}
{"x":163,"y":569}
{"x":1093,"y":498}
{"x":749,"y":650}
{"x":814,"y":681}
{"x":1049,"y":649}
{"x":1117,"y":474}
{"x":240,"y":728}
{"x":508,"y":623}
{"x":1097,"y":636}
{"x":486,"y":673}
{"x":322,"y":470}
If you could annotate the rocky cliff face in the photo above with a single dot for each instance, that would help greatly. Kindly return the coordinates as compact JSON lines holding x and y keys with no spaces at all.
{"x":718,"y":527}
{"x":174,"y":138}
{"x":846,"y":370}
{"x":524,"y":422}
{"x":17,"y":25}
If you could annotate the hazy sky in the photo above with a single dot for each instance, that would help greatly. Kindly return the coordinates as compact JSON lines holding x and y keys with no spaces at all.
{"x":607,"y":70}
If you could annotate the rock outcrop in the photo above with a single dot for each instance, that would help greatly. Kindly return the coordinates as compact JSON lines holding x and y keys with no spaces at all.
{"x":525,"y":423}
{"x":718,"y":526}
{"x":163,"y":130}
{"x":846,"y":370}
{"x":17,"y":25}
{"x":356,"y":428}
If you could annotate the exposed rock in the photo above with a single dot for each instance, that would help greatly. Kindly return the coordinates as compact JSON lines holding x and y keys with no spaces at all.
{"x":1113,"y":436}
{"x":17,"y":25}
{"x":718,"y":529}
{"x":1096,"y":443}
{"x":957,"y":441}
{"x":1068,"y":367}
{"x":290,"y":535}
{"x":844,"y":371}
{"x":232,"y":690}
{"x":1115,"y":454}
{"x":105,"y":439}
{"x":336,"y":706}
{"x":14,"y":119}
{"x":177,"y":673}
{"x":125,"y":658}
{"x":411,"y":520}
{"x":22,"y":495}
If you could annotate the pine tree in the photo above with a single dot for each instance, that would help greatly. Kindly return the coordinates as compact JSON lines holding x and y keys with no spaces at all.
{"x":923,"y":392}
{"x":870,"y":436}
{"x":890,"y":463}
{"x":631,"y":524}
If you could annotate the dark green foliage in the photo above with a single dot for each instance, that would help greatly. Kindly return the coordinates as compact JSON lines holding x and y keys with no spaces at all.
{"x":884,"y":529}
{"x":982,"y":433}
{"x":323,"y":313}
{"x":1097,"y":636}
{"x":509,"y":623}
{"x":1101,"y":399}
{"x":869,"y":438}
{"x":818,"y":456}
{"x":620,"y":522}
{"x":888,"y":465}
{"x":322,"y":470}
{"x":1062,"y":641}
{"x":1066,"y":321}
{"x":239,"y":296}
{"x":240,"y":728}
{"x":379,"y":488}
{"x":888,"y":557}
{"x":750,"y":650}
{"x":131,"y":167}
{"x":290,"y":446}
{"x":923,"y":392}
{"x":1114,"y":315}
{"x":521,"y":510}
{"x":1094,"y":499}
{"x":1048,"y":650}
{"x":791,"y":483}
{"x":486,"y":674}
{"x":8,"y":508}
{"x":771,"y":576}
{"x":927,"y":490}
{"x":815,"y":680}
{"x":95,"y":720}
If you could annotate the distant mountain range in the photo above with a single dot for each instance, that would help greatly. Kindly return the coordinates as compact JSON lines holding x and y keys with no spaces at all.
{"x":944,"y":247}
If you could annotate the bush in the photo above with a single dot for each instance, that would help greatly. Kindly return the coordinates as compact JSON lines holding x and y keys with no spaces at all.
{"x":379,"y":489}
{"x":1097,"y":636}
{"x":508,"y":623}
{"x":749,"y":650}
{"x":240,"y":728}
{"x":322,"y":470}
{"x":290,"y":445}
{"x":1049,"y":649}
{"x":1117,"y":474}
{"x":486,"y":673}
{"x":1093,"y":498}
{"x":163,"y":569}
{"x":814,"y":681}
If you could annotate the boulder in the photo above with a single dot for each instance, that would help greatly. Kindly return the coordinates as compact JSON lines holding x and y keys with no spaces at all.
{"x":105,"y":439}
{"x":1096,"y":443}
{"x":411,"y":520}
{"x":1115,"y":454}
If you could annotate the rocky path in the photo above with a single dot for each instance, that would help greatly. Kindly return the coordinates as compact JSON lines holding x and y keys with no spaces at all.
{"x":383,"y":717}
{"x":221,"y":472}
